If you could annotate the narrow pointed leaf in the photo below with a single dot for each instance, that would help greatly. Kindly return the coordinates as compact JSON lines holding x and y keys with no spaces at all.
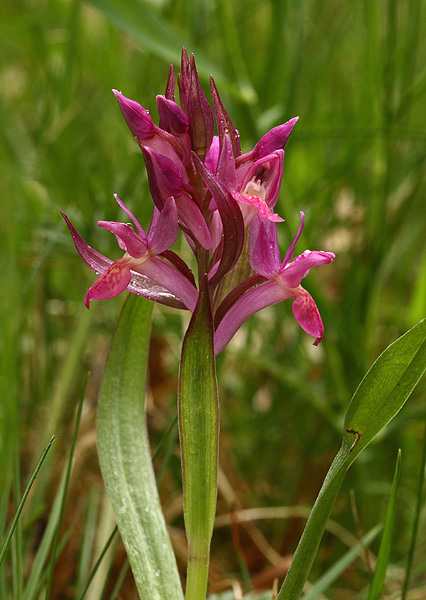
{"x":387,"y":386}
{"x":199,"y":435}
{"x":125,"y":458}
{"x":380,"y":396}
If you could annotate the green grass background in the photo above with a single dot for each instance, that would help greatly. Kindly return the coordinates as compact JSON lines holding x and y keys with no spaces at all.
{"x":355,"y":74}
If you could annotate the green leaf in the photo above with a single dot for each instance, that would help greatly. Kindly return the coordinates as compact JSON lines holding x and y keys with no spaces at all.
{"x":375,"y":591}
{"x":386,"y":387}
{"x":125,"y":457}
{"x":199,"y":439}
{"x":379,"y":397}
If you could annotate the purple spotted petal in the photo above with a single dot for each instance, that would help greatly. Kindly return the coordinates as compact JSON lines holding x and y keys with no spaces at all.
{"x":111,"y":283}
{"x":307,"y":315}
{"x":263,"y":178}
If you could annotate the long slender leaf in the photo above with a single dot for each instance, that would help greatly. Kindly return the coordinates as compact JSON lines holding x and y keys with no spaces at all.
{"x":379,"y":397}
{"x":125,"y":457}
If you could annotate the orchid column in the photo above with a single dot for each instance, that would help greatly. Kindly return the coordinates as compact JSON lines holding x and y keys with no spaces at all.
{"x":222,"y":202}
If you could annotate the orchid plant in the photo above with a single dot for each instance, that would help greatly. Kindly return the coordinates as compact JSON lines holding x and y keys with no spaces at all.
{"x":222,"y":202}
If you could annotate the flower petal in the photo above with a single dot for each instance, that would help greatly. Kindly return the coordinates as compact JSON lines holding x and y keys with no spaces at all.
{"x":140,"y":284}
{"x":264,"y":251}
{"x":212,"y":156}
{"x":164,"y":176}
{"x":251,"y":302}
{"x":193,"y":219}
{"x":263,"y":178}
{"x":136,"y":116}
{"x":225,"y":171}
{"x":224,"y":123}
{"x":275,"y":139}
{"x":136,"y":223}
{"x":126,"y":238}
{"x":168,"y":276}
{"x":114,"y":281}
{"x":307,"y":315}
{"x":164,"y":227}
{"x":232,"y":221}
{"x":294,"y":272}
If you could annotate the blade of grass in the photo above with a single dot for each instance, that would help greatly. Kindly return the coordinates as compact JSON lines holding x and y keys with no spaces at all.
{"x":4,"y":505}
{"x":98,"y":562}
{"x":24,"y":497}
{"x":17,"y":557}
{"x":89,"y":529}
{"x":376,"y":587}
{"x":63,"y":384}
{"x":68,"y":467}
{"x":340,"y":565}
{"x":33,"y":585}
{"x":106,"y":524}
{"x":415,"y":529}
{"x":164,"y":438}
{"x":120,"y":579}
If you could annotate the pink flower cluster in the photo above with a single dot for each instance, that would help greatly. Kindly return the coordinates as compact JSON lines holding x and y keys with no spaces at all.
{"x":220,"y":199}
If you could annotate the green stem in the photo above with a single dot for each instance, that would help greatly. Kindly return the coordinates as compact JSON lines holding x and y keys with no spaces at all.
{"x":199,"y":434}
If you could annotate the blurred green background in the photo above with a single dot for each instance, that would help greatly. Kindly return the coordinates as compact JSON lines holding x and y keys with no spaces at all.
{"x":355,"y":74}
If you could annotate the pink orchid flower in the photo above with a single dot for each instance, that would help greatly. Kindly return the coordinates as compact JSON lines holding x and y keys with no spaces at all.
{"x":284,"y":281}
{"x":161,"y":280}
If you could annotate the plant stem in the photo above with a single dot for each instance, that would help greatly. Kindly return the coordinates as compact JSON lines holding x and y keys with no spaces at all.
{"x":197,"y":574}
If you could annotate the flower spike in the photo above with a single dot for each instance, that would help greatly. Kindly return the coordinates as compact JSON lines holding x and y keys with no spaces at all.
{"x":223,"y":203}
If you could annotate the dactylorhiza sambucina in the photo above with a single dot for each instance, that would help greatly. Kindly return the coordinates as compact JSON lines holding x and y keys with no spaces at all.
{"x":221,"y":200}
